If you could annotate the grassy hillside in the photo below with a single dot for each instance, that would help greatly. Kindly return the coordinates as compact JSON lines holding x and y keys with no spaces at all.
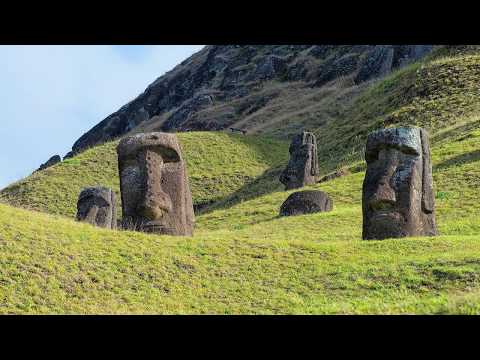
{"x":434,"y":93}
{"x":244,"y":258}
{"x":219,"y":164}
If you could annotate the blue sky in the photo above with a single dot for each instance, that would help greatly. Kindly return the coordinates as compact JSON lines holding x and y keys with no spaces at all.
{"x":51,"y":95}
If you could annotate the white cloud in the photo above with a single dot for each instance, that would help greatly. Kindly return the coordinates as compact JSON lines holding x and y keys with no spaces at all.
{"x":51,"y":95}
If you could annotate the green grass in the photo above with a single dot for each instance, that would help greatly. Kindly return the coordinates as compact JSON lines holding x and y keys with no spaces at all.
{"x":218,"y":165}
{"x":244,"y":258}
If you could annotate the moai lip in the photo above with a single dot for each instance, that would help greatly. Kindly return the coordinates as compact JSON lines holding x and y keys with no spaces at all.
{"x":302,"y":168}
{"x":96,"y":205}
{"x":398,"y":199}
{"x":156,"y":195}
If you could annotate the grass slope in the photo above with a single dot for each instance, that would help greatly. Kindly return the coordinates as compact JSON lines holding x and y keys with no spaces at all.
{"x":245,"y":259}
{"x":218,"y":165}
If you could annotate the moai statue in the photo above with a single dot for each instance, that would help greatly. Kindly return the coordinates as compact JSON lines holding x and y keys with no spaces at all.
{"x":302,"y":168}
{"x":155,"y":191}
{"x":96,"y":205}
{"x":398,"y":199}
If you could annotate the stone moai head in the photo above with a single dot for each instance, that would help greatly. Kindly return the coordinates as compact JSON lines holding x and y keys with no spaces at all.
{"x":398,"y":199}
{"x":96,"y":205}
{"x":302,"y":168}
{"x":154,"y":185}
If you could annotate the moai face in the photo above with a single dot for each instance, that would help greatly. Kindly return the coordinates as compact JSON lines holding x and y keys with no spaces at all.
{"x":302,"y":167}
{"x":398,"y":198}
{"x":154,"y":185}
{"x":96,"y":206}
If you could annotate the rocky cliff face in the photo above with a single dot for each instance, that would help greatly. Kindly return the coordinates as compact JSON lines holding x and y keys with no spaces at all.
{"x":222,"y":86}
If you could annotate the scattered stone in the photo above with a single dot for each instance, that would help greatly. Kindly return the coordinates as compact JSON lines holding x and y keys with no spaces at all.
{"x":244,"y":132}
{"x":398,"y":199}
{"x":302,"y":168}
{"x":52,"y":161}
{"x":155,"y":190}
{"x":334,"y":175}
{"x":306,"y":202}
{"x":96,"y":205}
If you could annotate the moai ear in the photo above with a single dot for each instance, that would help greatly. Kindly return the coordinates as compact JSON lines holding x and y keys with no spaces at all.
{"x":428,"y":198}
{"x":314,"y":157}
{"x":113,"y":210}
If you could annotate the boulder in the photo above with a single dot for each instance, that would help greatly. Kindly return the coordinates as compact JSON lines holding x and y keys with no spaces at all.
{"x":52,"y":161}
{"x":306,"y":202}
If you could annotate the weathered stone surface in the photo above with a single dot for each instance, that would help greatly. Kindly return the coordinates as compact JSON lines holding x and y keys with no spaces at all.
{"x":302,"y":168}
{"x":306,"y":202}
{"x":52,"y":161}
{"x":398,"y":199}
{"x":96,"y":205}
{"x":155,"y":190}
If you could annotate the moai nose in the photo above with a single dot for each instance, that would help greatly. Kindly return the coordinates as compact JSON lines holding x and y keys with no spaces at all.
{"x":384,"y":196}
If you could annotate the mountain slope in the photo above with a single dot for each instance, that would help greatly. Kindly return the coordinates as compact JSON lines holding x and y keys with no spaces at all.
{"x":222,"y":85}
{"x":435,"y":93}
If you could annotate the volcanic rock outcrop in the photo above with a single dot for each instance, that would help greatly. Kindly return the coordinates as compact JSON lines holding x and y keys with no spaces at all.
{"x":302,"y":168}
{"x":55,"y":159}
{"x":306,"y":202}
{"x":154,"y":185}
{"x":96,"y":205}
{"x":221,"y":85}
{"x":398,"y":199}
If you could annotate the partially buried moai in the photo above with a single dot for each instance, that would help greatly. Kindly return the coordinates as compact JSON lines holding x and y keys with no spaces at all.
{"x":96,"y":205}
{"x":302,"y":168}
{"x":154,"y":185}
{"x":398,"y":199}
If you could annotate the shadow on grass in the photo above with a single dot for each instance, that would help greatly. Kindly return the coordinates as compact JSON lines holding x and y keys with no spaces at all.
{"x":459,"y":160}
{"x":266,"y":183}
{"x":271,"y":150}
{"x":462,"y":129}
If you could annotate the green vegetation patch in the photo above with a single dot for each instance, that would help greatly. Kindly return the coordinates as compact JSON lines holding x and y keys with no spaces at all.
{"x":218,"y":164}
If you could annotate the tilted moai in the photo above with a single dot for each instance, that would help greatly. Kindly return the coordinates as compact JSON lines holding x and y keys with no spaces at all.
{"x":302,"y":168}
{"x":154,"y":185}
{"x":96,"y":205}
{"x":398,"y":199}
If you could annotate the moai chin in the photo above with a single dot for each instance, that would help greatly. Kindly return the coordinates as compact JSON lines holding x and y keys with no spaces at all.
{"x":398,"y":199}
{"x":96,"y":205}
{"x":302,"y":168}
{"x":154,"y":185}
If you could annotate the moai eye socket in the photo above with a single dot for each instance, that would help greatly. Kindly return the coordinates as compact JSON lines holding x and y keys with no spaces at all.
{"x":167,"y":154}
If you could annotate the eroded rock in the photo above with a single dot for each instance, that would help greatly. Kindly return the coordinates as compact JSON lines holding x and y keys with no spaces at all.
{"x":306,"y":202}
{"x":96,"y":205}
{"x":52,"y":161}
{"x":154,"y":185}
{"x":398,"y":199}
